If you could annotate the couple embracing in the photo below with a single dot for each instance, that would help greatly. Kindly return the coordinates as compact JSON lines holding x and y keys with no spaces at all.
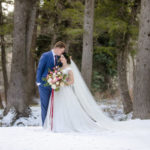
{"x":74,"y":108}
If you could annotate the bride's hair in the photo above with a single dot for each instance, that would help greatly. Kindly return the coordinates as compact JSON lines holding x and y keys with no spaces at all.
{"x":67,"y":57}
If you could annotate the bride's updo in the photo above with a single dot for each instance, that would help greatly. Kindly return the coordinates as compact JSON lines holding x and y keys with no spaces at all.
{"x":67,"y":57}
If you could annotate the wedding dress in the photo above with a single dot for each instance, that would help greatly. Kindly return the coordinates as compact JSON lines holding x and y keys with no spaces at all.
{"x":75,"y":109}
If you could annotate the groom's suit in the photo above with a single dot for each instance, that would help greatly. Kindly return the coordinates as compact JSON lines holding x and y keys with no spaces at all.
{"x":47,"y":61}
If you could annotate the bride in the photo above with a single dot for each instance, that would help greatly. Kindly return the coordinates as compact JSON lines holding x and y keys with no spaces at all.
{"x":74,"y":108}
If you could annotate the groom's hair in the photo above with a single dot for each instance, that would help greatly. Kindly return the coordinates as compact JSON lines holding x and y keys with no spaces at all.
{"x":60,"y":44}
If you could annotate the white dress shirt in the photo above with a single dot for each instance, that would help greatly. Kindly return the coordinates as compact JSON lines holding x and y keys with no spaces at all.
{"x":53,"y":55}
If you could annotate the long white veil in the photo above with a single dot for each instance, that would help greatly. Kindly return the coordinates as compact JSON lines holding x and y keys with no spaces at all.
{"x":87,"y":101}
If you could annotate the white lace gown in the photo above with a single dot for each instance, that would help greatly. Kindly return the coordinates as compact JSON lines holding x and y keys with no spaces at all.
{"x":68,"y":113}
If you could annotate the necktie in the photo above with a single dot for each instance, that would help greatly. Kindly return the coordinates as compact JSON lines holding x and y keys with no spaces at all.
{"x":55,"y":60}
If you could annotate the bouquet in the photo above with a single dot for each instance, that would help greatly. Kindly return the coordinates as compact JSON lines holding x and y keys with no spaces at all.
{"x":55,"y":78}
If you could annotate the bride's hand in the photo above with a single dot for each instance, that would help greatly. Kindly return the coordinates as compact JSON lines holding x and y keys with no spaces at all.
{"x":70,"y":80}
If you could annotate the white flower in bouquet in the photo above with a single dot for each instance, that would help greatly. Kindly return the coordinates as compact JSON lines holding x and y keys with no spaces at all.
{"x":54,"y":79}
{"x":57,"y":83}
{"x":62,"y":84}
{"x":53,"y":86}
{"x":54,"y":74}
{"x":58,"y":73}
{"x":49,"y":80}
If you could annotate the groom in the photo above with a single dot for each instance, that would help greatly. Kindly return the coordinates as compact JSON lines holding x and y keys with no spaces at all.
{"x":47,"y":60}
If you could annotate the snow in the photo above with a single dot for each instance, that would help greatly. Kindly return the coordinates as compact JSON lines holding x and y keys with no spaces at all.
{"x":112,"y":108}
{"x":33,"y":120}
{"x":27,"y":133}
{"x":36,"y":138}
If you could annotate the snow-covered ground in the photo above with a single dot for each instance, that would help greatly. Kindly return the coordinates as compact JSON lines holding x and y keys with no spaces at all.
{"x":112,"y":108}
{"x":35,"y":138}
{"x":27,"y":134}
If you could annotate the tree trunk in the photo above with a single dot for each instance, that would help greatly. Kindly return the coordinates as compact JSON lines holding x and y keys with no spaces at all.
{"x":44,"y":26}
{"x":53,"y":41}
{"x":3,"y":55}
{"x":122,"y":61}
{"x":67,"y":45}
{"x":141,"y":104}
{"x":1,"y":105}
{"x":123,"y":84}
{"x":87,"y":54}
{"x":32,"y":63}
{"x":24,"y":18}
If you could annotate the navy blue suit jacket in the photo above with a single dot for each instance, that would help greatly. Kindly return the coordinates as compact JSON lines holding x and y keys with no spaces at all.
{"x":46,"y":62}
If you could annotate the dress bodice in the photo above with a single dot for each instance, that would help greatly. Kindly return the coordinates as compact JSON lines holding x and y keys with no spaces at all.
{"x":66,"y":70}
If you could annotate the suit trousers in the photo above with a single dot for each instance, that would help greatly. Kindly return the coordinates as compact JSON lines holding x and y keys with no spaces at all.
{"x":45,"y":94}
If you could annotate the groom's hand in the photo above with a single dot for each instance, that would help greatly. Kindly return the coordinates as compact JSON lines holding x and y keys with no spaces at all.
{"x":38,"y":83}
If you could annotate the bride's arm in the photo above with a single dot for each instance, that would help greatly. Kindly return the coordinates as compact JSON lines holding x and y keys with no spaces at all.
{"x":70,"y":78}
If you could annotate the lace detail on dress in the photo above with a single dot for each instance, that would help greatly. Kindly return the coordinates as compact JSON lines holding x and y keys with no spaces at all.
{"x":66,"y":70}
